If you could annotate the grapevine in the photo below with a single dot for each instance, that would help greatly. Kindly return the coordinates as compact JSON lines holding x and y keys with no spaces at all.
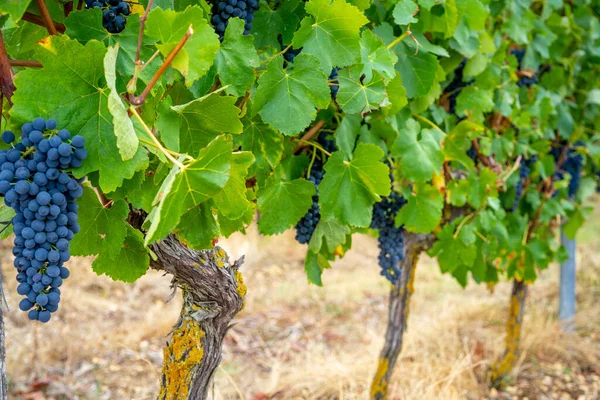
{"x":190,"y":121}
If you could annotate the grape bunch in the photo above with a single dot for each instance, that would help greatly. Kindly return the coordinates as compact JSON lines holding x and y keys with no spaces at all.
{"x":35,"y":183}
{"x":572,"y":164}
{"x":113,"y":13}
{"x":333,"y":79}
{"x":307,"y":224}
{"x":391,"y":237}
{"x":455,"y":86}
{"x":223,"y":10}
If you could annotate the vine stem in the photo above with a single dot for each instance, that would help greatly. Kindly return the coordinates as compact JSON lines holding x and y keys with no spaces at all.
{"x":266,"y":61}
{"x":141,"y":35}
{"x":25,"y":63}
{"x":399,"y":39}
{"x":428,"y":122}
{"x":41,"y":5}
{"x":36,"y":19}
{"x":309,"y":134}
{"x":155,"y":140}
{"x":315,"y":145}
{"x":139,"y":100}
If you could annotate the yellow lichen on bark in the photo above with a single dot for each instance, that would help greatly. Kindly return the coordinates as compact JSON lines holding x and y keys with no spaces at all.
{"x":513,"y":337}
{"x":220,"y":257}
{"x":181,"y":356}
{"x":240,"y":287}
{"x":379,"y":388}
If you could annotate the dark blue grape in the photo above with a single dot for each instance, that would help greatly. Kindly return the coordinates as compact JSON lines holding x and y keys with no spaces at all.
{"x":8,"y":137}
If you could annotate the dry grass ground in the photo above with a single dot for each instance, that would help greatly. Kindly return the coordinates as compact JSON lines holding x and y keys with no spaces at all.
{"x":295,"y":341}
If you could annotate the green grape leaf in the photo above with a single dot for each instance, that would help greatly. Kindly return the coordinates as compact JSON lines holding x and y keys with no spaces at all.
{"x":417,"y":70}
{"x":127,"y":141}
{"x":283,"y":20}
{"x":481,"y":186}
{"x":286,"y":100}
{"x":419,"y":152}
{"x":423,"y":210}
{"x":375,"y":56}
{"x":232,"y":201}
{"x":357,"y":96}
{"x":458,"y":141}
{"x":448,"y":21}
{"x":330,"y":234}
{"x":86,"y":25}
{"x":6,"y":214}
{"x":15,"y":8}
{"x":78,"y":101}
{"x":102,"y":228}
{"x":314,"y":265}
{"x":129,"y":264}
{"x":346,"y":134}
{"x":350,"y":188}
{"x":457,"y":192}
{"x":331,"y":32}
{"x":404,"y":12}
{"x":397,"y":96}
{"x":185,"y":188}
{"x":198,"y":227}
{"x":231,"y":226}
{"x":282,"y":204}
{"x":473,"y":102}
{"x":265,"y":143}
{"x":191,"y":126}
{"x":237,"y":59}
{"x":168,"y":27}
{"x":451,"y":252}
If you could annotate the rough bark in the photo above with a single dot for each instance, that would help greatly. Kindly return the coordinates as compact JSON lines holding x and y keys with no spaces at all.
{"x":513,"y":334}
{"x":399,"y":307}
{"x":213,"y":293}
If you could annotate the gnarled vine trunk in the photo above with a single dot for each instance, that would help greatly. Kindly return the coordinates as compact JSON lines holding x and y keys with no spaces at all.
{"x":399,"y":308}
{"x":213,"y":293}
{"x":513,"y":334}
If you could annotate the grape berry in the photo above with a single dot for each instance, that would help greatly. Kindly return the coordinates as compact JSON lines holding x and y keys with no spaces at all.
{"x":35,"y":184}
{"x":223,"y":10}
{"x":113,"y":13}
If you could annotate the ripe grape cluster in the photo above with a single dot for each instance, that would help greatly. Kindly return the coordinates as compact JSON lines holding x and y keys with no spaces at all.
{"x":455,"y":86}
{"x":391,"y":237}
{"x":223,"y":10}
{"x":113,"y":13}
{"x":35,"y":184}
{"x":306,"y":226}
{"x":572,"y":164}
